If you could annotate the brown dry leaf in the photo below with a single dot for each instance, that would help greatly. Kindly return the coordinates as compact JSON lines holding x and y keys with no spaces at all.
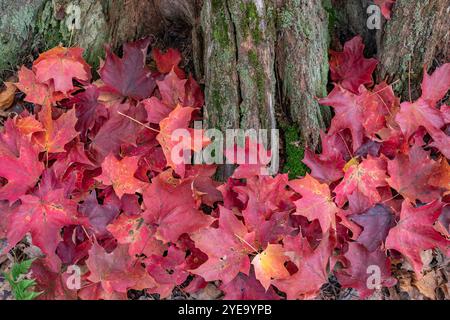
{"x":7,"y":96}
{"x":210,"y":292}
{"x":405,"y":285}
{"x":428,"y":284}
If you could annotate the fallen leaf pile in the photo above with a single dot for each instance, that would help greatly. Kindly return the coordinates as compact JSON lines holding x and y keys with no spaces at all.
{"x":89,"y":176}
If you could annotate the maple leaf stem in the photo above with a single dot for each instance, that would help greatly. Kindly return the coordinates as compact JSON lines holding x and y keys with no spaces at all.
{"x":88,"y":285}
{"x":248,"y":244}
{"x":391,"y":198}
{"x":137,"y":121}
{"x":46,"y":158}
{"x":384,"y":103}
{"x":409,"y":80}
{"x":382,"y":89}
{"x":345,"y":143}
{"x":87,"y":234}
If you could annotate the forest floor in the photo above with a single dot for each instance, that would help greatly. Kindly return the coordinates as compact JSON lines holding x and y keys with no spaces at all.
{"x":433,"y":286}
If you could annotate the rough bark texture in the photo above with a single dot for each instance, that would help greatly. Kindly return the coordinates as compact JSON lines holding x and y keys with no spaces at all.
{"x":42,"y":24}
{"x":17,"y":29}
{"x":417,"y":35}
{"x":239,"y":39}
{"x":221,"y":87}
{"x":265,"y":64}
{"x":302,"y":64}
{"x":349,"y":18}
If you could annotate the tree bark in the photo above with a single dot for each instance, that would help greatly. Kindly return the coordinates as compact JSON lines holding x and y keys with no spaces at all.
{"x":302,"y":65}
{"x":417,"y":36}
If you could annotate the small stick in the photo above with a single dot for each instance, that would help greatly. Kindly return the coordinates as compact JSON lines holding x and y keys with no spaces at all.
{"x":138,"y":122}
{"x":244,"y":241}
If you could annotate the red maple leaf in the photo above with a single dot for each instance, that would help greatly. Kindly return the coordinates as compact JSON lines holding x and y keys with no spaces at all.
{"x":361,"y":264}
{"x":227,"y":248}
{"x":269,"y":265}
{"x":75,"y":245}
{"x":436,"y":85}
{"x":386,"y":7}
{"x":171,"y":208}
{"x":35,"y":91}
{"x":134,"y":232}
{"x":52,"y":285}
{"x":244,"y":287}
{"x":57,"y":133}
{"x":410,"y":174}
{"x":326,"y":167}
{"x":121,"y":129}
{"x":172,"y":89}
{"x":19,"y":163}
{"x":415,"y":233}
{"x":420,"y":113}
{"x":194,"y":139}
{"x":364,"y":113}
{"x":350,"y":68}
{"x":43,"y":214}
{"x":364,"y":177}
{"x":312,"y":267}
{"x":117,"y":271}
{"x":376,"y":223}
{"x":88,"y":109}
{"x":120,"y":175}
{"x":168,"y":61}
{"x":316,"y":201}
{"x":168,"y":271}
{"x":61,"y":65}
{"x":263,"y":197}
{"x":100,"y":216}
{"x":156,"y":110}
{"x":128,"y":75}
{"x":27,"y":124}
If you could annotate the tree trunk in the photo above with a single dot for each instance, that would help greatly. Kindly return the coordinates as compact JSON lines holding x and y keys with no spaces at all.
{"x":417,"y":36}
{"x":263,"y":63}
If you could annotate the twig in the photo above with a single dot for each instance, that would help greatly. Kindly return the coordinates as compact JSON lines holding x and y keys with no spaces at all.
{"x":137,"y":121}
{"x":244,"y":241}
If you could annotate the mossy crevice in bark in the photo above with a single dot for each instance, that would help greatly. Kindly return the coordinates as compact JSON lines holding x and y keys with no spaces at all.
{"x":221,"y":23}
{"x":350,"y":19}
{"x":250,"y":21}
{"x":294,"y":153}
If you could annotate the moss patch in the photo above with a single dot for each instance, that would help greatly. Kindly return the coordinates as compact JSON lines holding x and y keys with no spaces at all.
{"x":250,"y":21}
{"x":220,"y":26}
{"x":294,"y":154}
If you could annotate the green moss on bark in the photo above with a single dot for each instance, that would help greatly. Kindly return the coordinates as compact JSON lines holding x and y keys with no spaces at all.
{"x":294,"y":153}
{"x":220,"y":30}
{"x":17,"y":27}
{"x":250,"y":22}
